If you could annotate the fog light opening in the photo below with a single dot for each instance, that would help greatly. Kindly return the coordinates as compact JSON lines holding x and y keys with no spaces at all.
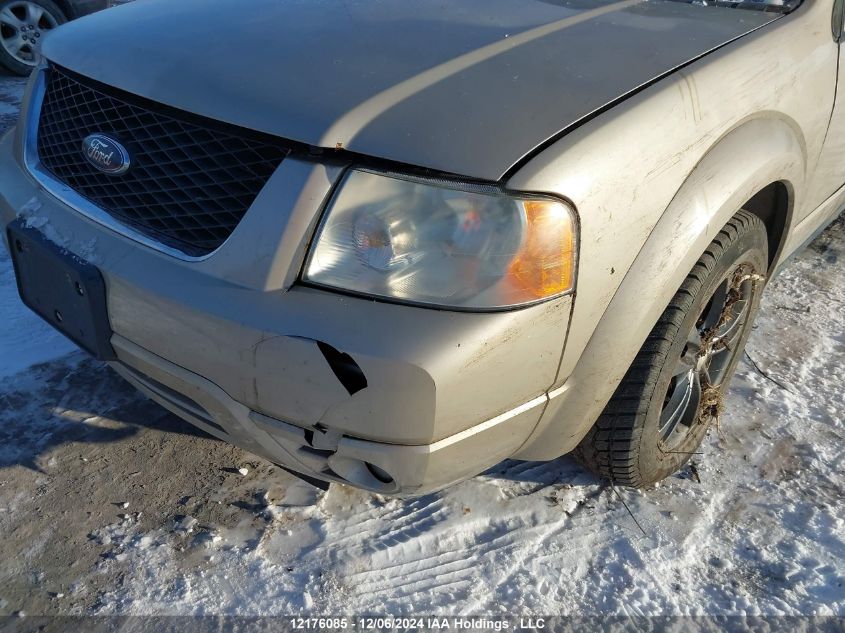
{"x":362,"y":473}
{"x":379,"y":473}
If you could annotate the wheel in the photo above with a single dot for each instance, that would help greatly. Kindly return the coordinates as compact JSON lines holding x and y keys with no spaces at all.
{"x":23,"y":24}
{"x":675,"y":388}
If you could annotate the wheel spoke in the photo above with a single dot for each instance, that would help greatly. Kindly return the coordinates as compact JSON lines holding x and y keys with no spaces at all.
{"x":695,"y":399}
{"x":733,"y":326}
{"x":716,"y":367}
{"x":708,"y":371}
{"x":673,"y":411}
{"x":731,"y":336}
{"x":10,"y":19}
{"x":14,"y":44}
{"x":34,"y":13}
{"x":717,"y":306}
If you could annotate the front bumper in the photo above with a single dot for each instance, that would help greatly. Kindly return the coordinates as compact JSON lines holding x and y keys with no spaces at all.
{"x":232,"y":344}
{"x":325,"y":454}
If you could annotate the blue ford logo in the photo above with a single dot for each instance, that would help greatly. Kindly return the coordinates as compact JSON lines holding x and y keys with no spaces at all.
{"x":106,"y":154}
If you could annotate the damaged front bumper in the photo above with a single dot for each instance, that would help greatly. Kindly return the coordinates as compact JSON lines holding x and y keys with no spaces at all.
{"x":322,"y":452}
{"x":391,"y":398}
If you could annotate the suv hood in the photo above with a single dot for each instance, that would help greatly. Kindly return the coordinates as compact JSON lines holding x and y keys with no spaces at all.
{"x":465,"y":87}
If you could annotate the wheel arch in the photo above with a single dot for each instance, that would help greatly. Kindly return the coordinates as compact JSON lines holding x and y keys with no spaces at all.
{"x":760,"y":163}
{"x":773,"y":205}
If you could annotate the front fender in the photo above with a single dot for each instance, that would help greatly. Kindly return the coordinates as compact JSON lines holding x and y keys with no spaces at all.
{"x":754,"y":154}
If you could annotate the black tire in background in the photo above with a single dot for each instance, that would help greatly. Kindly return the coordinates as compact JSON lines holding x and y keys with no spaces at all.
{"x":634,"y":442}
{"x":23,"y":23}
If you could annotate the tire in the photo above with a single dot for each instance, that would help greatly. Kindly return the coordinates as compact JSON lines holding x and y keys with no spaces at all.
{"x":644,"y":433}
{"x":29,"y":19}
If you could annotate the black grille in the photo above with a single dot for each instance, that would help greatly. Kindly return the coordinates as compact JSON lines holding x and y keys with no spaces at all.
{"x":190,"y":180}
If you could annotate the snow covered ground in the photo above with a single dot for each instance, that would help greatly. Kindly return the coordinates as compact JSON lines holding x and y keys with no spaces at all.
{"x":24,"y":341}
{"x":110,"y":505}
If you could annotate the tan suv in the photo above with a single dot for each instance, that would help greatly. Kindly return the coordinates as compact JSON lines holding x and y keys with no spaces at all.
{"x":391,"y":244}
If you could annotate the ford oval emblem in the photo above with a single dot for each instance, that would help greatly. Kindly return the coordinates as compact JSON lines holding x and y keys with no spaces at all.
{"x":106,"y":154}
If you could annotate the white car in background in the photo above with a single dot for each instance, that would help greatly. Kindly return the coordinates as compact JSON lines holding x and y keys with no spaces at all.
{"x":24,"y":22}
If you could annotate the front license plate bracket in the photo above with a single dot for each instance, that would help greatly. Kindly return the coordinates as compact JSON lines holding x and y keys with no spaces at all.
{"x":63,"y":289}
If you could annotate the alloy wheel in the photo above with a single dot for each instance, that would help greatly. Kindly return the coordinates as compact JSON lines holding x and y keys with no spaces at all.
{"x":695,"y":391}
{"x":22,"y":27}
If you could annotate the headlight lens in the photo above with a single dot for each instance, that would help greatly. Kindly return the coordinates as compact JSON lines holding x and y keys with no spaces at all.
{"x":430,"y":242}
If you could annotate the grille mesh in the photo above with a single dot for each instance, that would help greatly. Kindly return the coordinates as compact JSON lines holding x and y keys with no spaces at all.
{"x":188,"y":185}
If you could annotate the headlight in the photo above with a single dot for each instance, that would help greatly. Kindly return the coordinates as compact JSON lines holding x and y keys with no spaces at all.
{"x":432,"y":242}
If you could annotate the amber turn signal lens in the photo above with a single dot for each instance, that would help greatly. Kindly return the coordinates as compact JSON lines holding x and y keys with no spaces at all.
{"x":545,"y":265}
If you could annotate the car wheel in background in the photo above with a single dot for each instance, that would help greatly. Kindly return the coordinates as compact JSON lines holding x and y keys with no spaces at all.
{"x":23,"y":24}
{"x":675,"y":388}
